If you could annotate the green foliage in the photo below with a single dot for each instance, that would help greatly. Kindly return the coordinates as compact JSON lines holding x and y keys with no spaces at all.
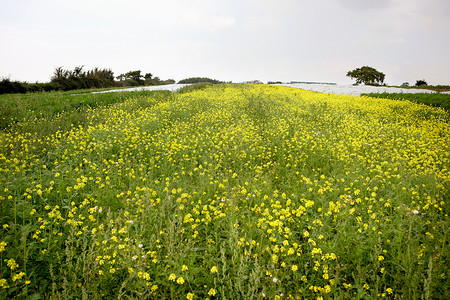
{"x":193,"y":87}
{"x":16,"y":87}
{"x":421,"y":82}
{"x":367,"y":75}
{"x":199,"y":80}
{"x":69,"y":80}
{"x":78,"y":79}
{"x":431,"y":99}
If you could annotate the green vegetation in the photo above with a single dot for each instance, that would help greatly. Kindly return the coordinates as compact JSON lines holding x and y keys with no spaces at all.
{"x":67,"y":107}
{"x":14,"y":87}
{"x":199,"y":80}
{"x":367,"y":75}
{"x":432,"y":99}
{"x":67,"y":80}
{"x":225,"y":192}
{"x":437,"y":88}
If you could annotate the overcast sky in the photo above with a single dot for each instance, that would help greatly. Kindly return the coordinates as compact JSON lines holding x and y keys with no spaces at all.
{"x":237,"y":40}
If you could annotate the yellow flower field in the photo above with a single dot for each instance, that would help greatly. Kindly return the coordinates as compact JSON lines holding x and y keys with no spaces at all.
{"x":231,"y":192}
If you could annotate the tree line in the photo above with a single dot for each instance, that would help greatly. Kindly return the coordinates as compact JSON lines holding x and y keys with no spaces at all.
{"x":78,"y":78}
{"x":371,"y":76}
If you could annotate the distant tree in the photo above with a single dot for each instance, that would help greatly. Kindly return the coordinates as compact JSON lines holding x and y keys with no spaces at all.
{"x":79,"y":79}
{"x":367,"y":75}
{"x":148,"y":76}
{"x":135,"y":77}
{"x":168,"y":81}
{"x":198,"y":80}
{"x":405,"y":84}
{"x":421,"y":82}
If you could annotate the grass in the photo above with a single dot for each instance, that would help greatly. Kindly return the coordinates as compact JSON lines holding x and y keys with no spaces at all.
{"x":67,"y":106}
{"x":431,"y":99}
{"x":437,"y":88}
{"x":231,"y":192}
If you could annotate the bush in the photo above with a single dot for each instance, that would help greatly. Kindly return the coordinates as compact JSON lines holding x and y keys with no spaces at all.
{"x":421,"y":82}
{"x":16,"y":87}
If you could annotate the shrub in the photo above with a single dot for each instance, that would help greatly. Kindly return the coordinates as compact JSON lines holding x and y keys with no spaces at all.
{"x":421,"y":82}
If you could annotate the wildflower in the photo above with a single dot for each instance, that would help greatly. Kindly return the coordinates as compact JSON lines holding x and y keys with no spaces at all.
{"x":213,"y":269}
{"x":180,"y":280}
{"x":184,"y":268}
{"x":11,"y":263}
{"x":275,"y":280}
{"x":18,"y":276}
{"x":294,"y":268}
{"x":172,"y":277}
{"x":416,"y":212}
{"x":190,"y":296}
{"x":389,"y":290}
{"x":2,"y":246}
{"x":4,"y":283}
{"x":380,"y":258}
{"x":212,"y":292}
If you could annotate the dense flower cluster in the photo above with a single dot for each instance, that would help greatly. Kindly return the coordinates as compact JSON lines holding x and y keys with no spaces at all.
{"x":236,"y":191}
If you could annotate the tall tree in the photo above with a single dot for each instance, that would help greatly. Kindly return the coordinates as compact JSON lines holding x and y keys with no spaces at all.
{"x":367,"y":75}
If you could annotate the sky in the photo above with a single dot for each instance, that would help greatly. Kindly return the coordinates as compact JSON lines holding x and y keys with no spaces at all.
{"x":235,"y":40}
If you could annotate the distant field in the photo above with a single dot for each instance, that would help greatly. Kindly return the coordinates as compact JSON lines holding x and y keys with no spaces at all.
{"x":432,"y":99}
{"x":229,"y":191}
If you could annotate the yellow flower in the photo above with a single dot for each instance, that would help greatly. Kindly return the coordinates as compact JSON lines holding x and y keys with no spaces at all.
{"x":180,"y":280}
{"x":294,"y":268}
{"x":213,"y":269}
{"x":4,"y":283}
{"x":172,"y":277}
{"x":212,"y":292}
{"x":184,"y":268}
{"x":380,"y":258}
{"x":18,"y":276}
{"x":11,"y":263}
{"x":2,"y":246}
{"x":190,"y":296}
